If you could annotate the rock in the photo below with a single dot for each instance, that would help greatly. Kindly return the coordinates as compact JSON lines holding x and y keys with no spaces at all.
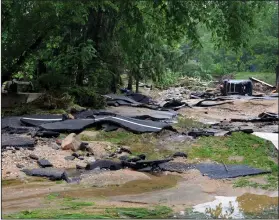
{"x":19,"y":166}
{"x":88,"y":134}
{"x":70,"y":143}
{"x":123,"y":158}
{"x":81,"y":165}
{"x":142,"y":156}
{"x":91,"y":159}
{"x":125,"y":149}
{"x":236,"y":158}
{"x":34,"y":157}
{"x":134,"y":159}
{"x":83,"y":146}
{"x":98,"y":149}
{"x":179,"y":154}
{"x":123,"y":154}
{"x":59,"y":142}
{"x":44,"y":163}
{"x":75,"y":154}
{"x":13,"y":151}
{"x":69,"y":158}
{"x":55,"y":146}
{"x":70,"y":116}
{"x":81,"y":158}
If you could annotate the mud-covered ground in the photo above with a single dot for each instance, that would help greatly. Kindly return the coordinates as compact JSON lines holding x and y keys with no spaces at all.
{"x":127,"y":193}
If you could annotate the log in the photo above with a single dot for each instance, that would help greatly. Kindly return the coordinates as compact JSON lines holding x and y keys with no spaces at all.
{"x":259,"y":81}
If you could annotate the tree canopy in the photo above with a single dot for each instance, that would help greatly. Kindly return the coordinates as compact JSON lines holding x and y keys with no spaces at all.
{"x":91,"y":43}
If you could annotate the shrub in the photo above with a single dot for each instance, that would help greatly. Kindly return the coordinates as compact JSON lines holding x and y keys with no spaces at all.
{"x":87,"y":97}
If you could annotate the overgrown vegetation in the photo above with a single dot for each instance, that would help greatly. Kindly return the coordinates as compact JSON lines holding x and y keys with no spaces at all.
{"x":255,"y":151}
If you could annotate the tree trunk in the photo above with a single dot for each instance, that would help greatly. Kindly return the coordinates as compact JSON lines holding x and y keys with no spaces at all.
{"x":137,"y":84}
{"x":130,"y":81}
{"x":80,"y":76}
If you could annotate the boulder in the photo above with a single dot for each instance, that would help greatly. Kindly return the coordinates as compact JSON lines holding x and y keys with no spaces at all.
{"x":98,"y":149}
{"x":71,"y":143}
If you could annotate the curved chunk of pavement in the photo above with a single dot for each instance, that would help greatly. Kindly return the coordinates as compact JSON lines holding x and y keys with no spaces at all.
{"x":104,"y":164}
{"x":71,"y":126}
{"x":37,"y":120}
{"x":134,"y":125}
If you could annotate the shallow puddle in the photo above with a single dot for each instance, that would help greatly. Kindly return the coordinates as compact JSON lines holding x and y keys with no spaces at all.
{"x":237,"y":207}
{"x":132,"y":187}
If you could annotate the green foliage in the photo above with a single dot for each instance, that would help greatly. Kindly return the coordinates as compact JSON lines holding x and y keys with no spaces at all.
{"x":51,"y":81}
{"x":91,"y":43}
{"x":86,"y":96}
{"x":266,"y":77}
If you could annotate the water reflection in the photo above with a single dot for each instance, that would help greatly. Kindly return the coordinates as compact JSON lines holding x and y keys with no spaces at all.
{"x":236,"y":207}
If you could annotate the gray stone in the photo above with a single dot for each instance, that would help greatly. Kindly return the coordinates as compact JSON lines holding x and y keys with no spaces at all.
{"x":44,"y":163}
{"x":69,"y":158}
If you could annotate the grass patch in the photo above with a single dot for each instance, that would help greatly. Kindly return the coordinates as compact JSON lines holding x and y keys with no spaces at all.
{"x":84,"y":137}
{"x":118,"y":137}
{"x":156,"y":212}
{"x":73,"y":205}
{"x":188,"y":124}
{"x":255,"y":151}
{"x":139,"y":143}
{"x":52,"y":196}
{"x":266,"y":77}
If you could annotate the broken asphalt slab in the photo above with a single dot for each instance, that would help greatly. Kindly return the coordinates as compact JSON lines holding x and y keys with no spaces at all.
{"x":16,"y":141}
